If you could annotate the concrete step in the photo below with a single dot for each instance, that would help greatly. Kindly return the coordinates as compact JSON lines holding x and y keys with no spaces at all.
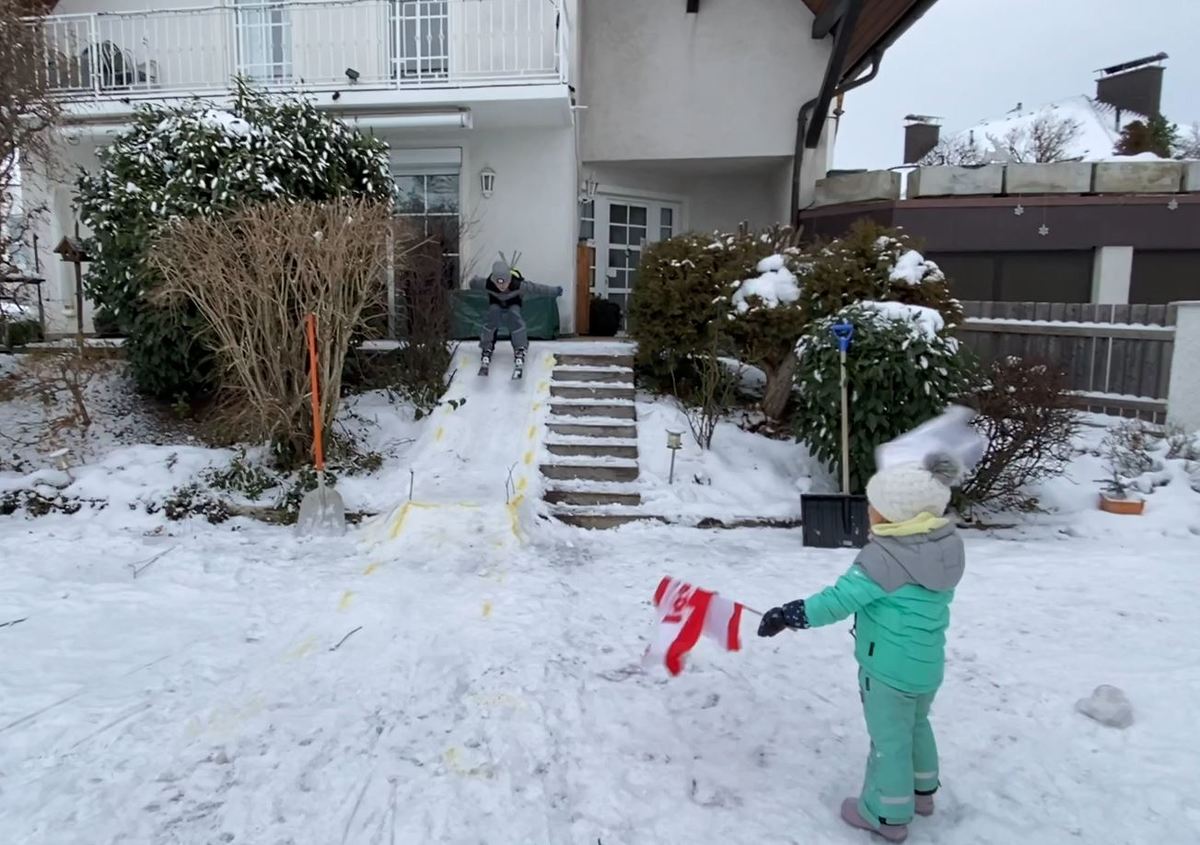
{"x":601,"y":376}
{"x":598,"y":392}
{"x":600,"y":450}
{"x":591,"y":498}
{"x":596,"y":360}
{"x":600,"y":521}
{"x":618,"y":412}
{"x":582,"y":429}
{"x":590,"y":472}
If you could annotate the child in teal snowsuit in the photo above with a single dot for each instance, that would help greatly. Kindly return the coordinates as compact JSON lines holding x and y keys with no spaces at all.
{"x":899,"y":588}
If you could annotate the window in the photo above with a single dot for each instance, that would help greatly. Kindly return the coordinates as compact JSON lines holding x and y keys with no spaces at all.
{"x":264,"y":40}
{"x":666,"y":223}
{"x":420,"y":46}
{"x":431,"y":203}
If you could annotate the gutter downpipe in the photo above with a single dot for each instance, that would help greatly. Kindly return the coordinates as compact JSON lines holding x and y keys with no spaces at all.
{"x":806,"y":133}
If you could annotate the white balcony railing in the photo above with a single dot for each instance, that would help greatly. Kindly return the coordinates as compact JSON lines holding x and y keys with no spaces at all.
{"x":307,"y":44}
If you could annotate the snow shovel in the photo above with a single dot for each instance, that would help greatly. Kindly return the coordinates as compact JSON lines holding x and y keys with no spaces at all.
{"x":837,"y":520}
{"x":322,"y":511}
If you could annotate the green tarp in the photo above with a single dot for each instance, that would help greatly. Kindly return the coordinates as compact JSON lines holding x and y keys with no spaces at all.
{"x":541,"y":315}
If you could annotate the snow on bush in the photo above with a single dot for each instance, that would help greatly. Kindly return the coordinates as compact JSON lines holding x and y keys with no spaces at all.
{"x":899,"y":373}
{"x":775,"y":285}
{"x":200,"y":160}
{"x":927,"y":320}
{"x":912,"y":268}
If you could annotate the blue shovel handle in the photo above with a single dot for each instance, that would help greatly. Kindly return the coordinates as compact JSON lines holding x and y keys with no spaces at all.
{"x":843,"y":333}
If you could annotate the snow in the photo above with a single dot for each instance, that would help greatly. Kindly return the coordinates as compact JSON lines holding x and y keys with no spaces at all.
{"x":928,"y":320}
{"x":1135,"y":157}
{"x":1098,"y":128}
{"x":912,"y":269}
{"x":775,"y":285}
{"x":1107,"y":705}
{"x":744,"y":476}
{"x":474,"y":677}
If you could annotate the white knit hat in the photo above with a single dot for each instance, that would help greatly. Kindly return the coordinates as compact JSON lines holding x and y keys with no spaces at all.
{"x":901,"y":492}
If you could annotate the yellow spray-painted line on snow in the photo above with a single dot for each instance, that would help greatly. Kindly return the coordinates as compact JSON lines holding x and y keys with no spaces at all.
{"x":532,"y":431}
{"x":513,"y":517}
{"x":372,"y":567}
{"x":346,"y":600}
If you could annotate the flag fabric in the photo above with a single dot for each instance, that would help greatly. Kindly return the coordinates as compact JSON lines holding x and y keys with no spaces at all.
{"x":950,"y":433}
{"x":685,"y":612}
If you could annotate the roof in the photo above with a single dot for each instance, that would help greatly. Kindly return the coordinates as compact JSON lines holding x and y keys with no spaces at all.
{"x":1099,"y":128}
{"x":880,"y":23}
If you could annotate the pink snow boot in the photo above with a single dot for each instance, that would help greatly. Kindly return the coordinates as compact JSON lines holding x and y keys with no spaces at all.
{"x":924,"y":805}
{"x":890,"y":832}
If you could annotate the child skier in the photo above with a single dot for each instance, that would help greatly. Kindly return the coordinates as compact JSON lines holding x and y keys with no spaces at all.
{"x":506,"y":288}
{"x":899,"y":588}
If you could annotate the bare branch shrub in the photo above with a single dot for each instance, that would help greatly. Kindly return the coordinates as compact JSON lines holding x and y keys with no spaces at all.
{"x":28,"y":110}
{"x":959,"y":150}
{"x":58,"y":382}
{"x":713,"y":396}
{"x":1025,"y":412}
{"x":1047,"y":139}
{"x":254,"y":276}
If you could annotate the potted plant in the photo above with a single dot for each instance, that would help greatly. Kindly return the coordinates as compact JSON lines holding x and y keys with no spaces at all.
{"x":1115,"y":498}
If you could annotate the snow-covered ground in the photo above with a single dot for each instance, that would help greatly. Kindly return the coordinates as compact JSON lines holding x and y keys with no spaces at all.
{"x":475,"y":677}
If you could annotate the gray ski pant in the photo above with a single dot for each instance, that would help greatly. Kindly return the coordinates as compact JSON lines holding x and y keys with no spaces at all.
{"x":510,"y":318}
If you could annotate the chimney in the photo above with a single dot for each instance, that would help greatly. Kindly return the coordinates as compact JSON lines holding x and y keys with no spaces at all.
{"x":1133,"y":86}
{"x":921,"y":134}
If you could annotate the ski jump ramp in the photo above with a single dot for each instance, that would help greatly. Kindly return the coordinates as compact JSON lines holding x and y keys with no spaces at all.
{"x":474,"y":470}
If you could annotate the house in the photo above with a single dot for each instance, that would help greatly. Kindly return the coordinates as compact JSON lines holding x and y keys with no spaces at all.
{"x":1034,"y":205}
{"x":514,"y":125}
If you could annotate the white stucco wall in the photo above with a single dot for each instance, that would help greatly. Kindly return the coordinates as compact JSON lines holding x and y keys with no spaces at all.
{"x":711,"y":199}
{"x":659,"y":83}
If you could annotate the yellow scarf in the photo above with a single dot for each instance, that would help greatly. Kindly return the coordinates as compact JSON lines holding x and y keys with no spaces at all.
{"x":922,"y":523}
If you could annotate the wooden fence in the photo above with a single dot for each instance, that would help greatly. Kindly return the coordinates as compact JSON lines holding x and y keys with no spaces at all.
{"x":1117,"y":357}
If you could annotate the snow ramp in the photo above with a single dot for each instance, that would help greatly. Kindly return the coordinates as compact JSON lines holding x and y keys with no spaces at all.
{"x":474,"y":473}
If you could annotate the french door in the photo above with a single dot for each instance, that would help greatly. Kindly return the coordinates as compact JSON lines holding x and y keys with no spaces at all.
{"x":624,"y":228}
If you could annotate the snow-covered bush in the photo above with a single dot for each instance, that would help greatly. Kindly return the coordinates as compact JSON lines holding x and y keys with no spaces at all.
{"x":764,"y":316}
{"x":198,"y":160}
{"x":903,"y":368}
{"x":674,"y":308}
{"x":877,"y":264}
{"x":1026,"y":414}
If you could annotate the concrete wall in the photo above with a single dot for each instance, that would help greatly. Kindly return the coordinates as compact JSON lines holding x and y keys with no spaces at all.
{"x":857,"y":187}
{"x":1183,"y":403}
{"x":727,"y":82}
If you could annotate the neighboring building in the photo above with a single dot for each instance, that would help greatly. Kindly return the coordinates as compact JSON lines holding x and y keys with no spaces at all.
{"x":618,"y":121}
{"x":1089,"y":227}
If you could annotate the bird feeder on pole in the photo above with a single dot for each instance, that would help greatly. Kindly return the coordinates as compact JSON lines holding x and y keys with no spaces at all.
{"x":72,"y":250}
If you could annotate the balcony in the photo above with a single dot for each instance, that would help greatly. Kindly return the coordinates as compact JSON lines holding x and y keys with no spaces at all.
{"x":308,"y":45}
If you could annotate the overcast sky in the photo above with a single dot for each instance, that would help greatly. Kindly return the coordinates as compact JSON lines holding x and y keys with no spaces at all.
{"x":966,"y":60}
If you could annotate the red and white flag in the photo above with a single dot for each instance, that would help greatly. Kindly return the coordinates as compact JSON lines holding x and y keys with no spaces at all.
{"x":684,"y":613}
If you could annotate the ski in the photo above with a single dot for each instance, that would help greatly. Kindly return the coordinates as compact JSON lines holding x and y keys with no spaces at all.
{"x":485,"y":364}
{"x":518,"y":367}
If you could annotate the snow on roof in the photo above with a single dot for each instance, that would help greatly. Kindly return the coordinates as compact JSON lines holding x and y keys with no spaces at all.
{"x":1099,"y":128}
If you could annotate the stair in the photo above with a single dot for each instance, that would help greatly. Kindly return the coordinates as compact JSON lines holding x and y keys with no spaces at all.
{"x":592,"y":468}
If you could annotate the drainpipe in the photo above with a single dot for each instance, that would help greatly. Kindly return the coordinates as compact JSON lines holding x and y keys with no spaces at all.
{"x":809,"y":136}
{"x":802,"y":126}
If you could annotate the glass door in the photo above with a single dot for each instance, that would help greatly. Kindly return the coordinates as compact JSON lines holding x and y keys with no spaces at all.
{"x":263,"y":41}
{"x":623,"y":231}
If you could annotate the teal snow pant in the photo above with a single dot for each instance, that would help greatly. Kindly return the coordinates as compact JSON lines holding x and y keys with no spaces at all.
{"x":903,"y":758}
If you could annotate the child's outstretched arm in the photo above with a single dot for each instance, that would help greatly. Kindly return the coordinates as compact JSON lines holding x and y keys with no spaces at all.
{"x":850,"y":594}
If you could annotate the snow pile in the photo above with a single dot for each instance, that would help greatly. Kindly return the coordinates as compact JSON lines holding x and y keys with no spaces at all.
{"x":775,"y":285}
{"x":1107,"y":705}
{"x":1134,"y":157}
{"x":744,"y":476}
{"x":928,"y":321}
{"x":912,"y":268}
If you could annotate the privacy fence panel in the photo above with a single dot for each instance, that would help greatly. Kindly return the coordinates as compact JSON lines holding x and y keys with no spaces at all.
{"x":1117,"y":357}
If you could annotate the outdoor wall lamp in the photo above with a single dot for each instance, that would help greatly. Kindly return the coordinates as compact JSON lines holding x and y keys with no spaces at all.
{"x":487,"y":181}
